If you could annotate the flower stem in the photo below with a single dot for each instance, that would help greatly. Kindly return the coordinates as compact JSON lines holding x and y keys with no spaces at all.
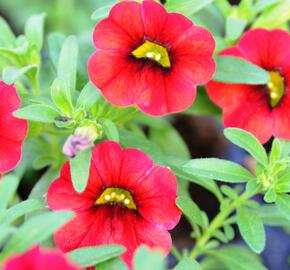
{"x":175,"y":253}
{"x":216,"y":223}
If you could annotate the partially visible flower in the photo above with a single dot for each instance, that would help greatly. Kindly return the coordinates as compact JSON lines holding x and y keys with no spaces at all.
{"x":128,"y":201}
{"x":12,"y":130}
{"x":263,"y":110}
{"x":150,"y":58}
{"x":82,"y":139}
{"x":38,"y":258}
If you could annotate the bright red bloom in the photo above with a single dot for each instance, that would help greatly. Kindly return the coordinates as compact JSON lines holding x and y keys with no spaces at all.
{"x":12,"y":130}
{"x":38,"y":258}
{"x":150,"y":58}
{"x":128,"y":201}
{"x":263,"y":110}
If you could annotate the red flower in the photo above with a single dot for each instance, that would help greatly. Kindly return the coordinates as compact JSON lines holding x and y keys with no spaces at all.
{"x":38,"y":258}
{"x":263,"y":110}
{"x":128,"y":201}
{"x":151,"y":58}
{"x":12,"y":130}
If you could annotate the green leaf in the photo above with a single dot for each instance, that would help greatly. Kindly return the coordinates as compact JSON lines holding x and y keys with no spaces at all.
{"x":34,"y":29}
{"x":80,"y":169}
{"x":55,"y":41}
{"x":7,"y":38}
{"x":169,"y":140}
{"x":110,"y":129}
{"x":190,"y":209}
{"x":236,"y":70}
{"x":251,"y":228}
{"x":102,"y":12}
{"x":260,"y":5}
{"x":90,"y":256}
{"x":270,"y":196}
{"x":43,"y":161}
{"x":218,"y":169}
{"x":88,"y":96}
{"x":19,"y":210}
{"x":237,"y":258}
{"x":35,"y":230}
{"x":11,"y":74}
{"x":276,"y":150}
{"x":67,"y":64}
{"x":8,"y":186}
{"x":59,"y":95}
{"x":186,"y":7}
{"x":272,"y":216}
{"x":187,"y":264}
{"x":113,"y":264}
{"x":145,"y":259}
{"x":283,"y":204}
{"x":235,"y":27}
{"x":5,"y":232}
{"x":283,"y":183}
{"x":248,"y":142}
{"x":38,"y":112}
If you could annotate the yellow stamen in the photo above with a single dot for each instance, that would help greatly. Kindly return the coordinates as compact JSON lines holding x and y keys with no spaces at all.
{"x":154,"y":52}
{"x":117,"y":195}
{"x":276,"y":88}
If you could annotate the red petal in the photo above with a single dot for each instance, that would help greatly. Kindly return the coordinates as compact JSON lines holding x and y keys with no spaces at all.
{"x":281,"y":119}
{"x":265,"y":48}
{"x":192,"y":55}
{"x":135,"y":165}
{"x":70,"y":235}
{"x":155,"y":197}
{"x":116,"y":32}
{"x":13,"y":130}
{"x":154,"y":18}
{"x":107,"y":158}
{"x":115,"y":76}
{"x":119,"y":226}
{"x":254,"y":116}
{"x":38,"y":258}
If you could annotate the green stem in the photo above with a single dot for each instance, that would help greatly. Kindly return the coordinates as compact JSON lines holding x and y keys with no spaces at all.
{"x":217,"y":222}
{"x":175,"y":253}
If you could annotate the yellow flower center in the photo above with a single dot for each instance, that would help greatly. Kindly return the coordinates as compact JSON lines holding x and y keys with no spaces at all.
{"x":117,"y":195}
{"x":153,"y":51}
{"x":276,"y":88}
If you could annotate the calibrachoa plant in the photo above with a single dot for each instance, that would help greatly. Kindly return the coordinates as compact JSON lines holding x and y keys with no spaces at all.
{"x":95,"y":147}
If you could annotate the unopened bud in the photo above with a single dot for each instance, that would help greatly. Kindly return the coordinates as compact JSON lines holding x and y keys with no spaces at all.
{"x":75,"y":144}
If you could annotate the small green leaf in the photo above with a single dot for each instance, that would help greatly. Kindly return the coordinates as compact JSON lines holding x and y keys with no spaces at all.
{"x":229,"y":232}
{"x":88,"y":96}
{"x":251,"y":228}
{"x":110,"y":129}
{"x":55,"y":41}
{"x":251,"y":187}
{"x":248,"y":142}
{"x":7,"y":38}
{"x":19,"y":210}
{"x":42,"y":161}
{"x":59,"y":95}
{"x":283,"y":204}
{"x":283,"y":183}
{"x":102,"y":12}
{"x":218,"y":169}
{"x":113,"y":264}
{"x":190,"y":209}
{"x":187,"y":264}
{"x":237,"y":258}
{"x":236,"y":70}
{"x":80,"y":169}
{"x":34,"y":29}
{"x":270,"y":196}
{"x":34,"y":231}
{"x":146,"y":259}
{"x":67,"y":64}
{"x":260,"y":5}
{"x":11,"y":74}
{"x":5,"y":232}
{"x":235,"y":27}
{"x":8,"y":186}
{"x":276,"y":151}
{"x":90,"y":256}
{"x":38,"y":112}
